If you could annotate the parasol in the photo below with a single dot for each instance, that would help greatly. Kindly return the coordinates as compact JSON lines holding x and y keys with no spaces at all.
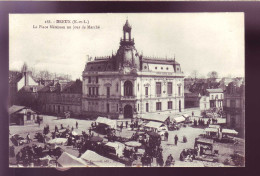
{"x":133,"y":144}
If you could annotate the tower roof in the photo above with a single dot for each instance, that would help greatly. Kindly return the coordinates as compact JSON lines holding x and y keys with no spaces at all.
{"x":127,"y":26}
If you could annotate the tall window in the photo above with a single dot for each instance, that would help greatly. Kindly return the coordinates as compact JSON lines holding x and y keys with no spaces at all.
{"x":146,"y":91}
{"x":89,"y":90}
{"x":169,"y":88}
{"x":108,"y":110}
{"x":93,"y":90}
{"x":158,"y":106}
{"x":179,"y":90}
{"x":108,"y":91}
{"x":117,"y":87}
{"x":216,"y":96}
{"x":96,"y":90}
{"x":89,"y":79}
{"x":169,"y":104}
{"x":232,"y":103}
{"x":147,"y":107}
{"x":212,"y":97}
{"x":158,"y":88}
{"x":138,"y":107}
{"x":128,"y":88}
{"x":97,"y":79}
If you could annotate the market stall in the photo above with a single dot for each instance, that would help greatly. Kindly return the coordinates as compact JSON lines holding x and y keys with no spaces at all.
{"x":68,"y":160}
{"x":97,"y":160}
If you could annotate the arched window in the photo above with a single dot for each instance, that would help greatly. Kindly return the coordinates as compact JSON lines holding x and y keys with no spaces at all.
{"x":128,"y":88}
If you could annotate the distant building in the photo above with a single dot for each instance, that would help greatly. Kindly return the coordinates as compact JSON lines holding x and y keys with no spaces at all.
{"x":18,"y":81}
{"x":191,"y":100}
{"x":234,"y":107}
{"x":128,"y":84}
{"x":212,"y":99}
{"x":204,"y":103}
{"x":61,"y":97}
{"x":21,"y":115}
{"x":216,"y":97}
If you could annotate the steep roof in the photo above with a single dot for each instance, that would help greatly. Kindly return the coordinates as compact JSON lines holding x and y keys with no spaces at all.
{"x":29,"y":89}
{"x":15,"y":108}
{"x":73,"y":87}
{"x":159,"y":61}
{"x":15,"y":76}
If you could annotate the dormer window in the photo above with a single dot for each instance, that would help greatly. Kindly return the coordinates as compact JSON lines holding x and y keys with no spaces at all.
{"x":167,"y":68}
{"x":161,"y":68}
{"x":145,"y":67}
{"x":155,"y":68}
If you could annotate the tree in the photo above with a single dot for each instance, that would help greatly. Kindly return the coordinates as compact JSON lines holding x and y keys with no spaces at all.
{"x":194,"y":74}
{"x":213,"y":74}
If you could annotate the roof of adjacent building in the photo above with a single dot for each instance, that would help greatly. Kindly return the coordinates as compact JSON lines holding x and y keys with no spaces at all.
{"x":159,"y":61}
{"x":15,"y":76}
{"x":66,"y":87}
{"x":15,"y":108}
{"x":214,"y":90}
{"x":30,"y":89}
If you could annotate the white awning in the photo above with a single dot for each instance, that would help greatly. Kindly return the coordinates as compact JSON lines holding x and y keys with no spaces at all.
{"x":99,"y":160}
{"x":229,"y":131}
{"x":115,"y":145}
{"x":68,"y":160}
{"x":179,"y":119}
{"x":58,"y":141}
{"x":214,"y":126}
{"x":154,"y":125}
{"x":155,"y":117}
{"x":211,"y":130}
{"x":186,"y":115}
{"x":109,"y":122}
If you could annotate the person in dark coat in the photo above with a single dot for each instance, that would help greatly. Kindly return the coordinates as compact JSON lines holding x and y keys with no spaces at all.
{"x":176,"y":139}
{"x":77,"y":125}
{"x":126,"y":124}
{"x":166,"y":134}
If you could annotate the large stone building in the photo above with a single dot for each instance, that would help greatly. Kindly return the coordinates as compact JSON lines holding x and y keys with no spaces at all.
{"x":128,"y":84}
{"x":234,"y":107}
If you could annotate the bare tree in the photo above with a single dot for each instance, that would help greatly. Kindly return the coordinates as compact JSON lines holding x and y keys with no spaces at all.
{"x":213,"y":74}
{"x":194,"y":74}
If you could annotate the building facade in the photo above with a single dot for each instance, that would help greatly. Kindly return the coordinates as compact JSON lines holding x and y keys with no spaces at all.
{"x":234,"y":107}
{"x":61,"y":97}
{"x":216,"y":97}
{"x":128,"y":84}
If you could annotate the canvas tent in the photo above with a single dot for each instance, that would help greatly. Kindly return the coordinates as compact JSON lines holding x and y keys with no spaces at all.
{"x":155,"y":117}
{"x":155,"y":126}
{"x":109,"y":122}
{"x":58,"y":141}
{"x":178,"y":119}
{"x":229,"y":131}
{"x":98,"y":160}
{"x":68,"y":160}
{"x":214,"y":130}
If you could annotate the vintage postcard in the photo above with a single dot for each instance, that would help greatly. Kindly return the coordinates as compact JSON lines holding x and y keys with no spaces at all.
{"x":126,"y":90}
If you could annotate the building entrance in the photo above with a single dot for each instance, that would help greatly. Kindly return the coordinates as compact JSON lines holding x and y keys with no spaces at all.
{"x":128,"y":112}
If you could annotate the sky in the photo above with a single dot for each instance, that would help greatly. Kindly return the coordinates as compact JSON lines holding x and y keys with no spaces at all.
{"x":199,"y":41}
